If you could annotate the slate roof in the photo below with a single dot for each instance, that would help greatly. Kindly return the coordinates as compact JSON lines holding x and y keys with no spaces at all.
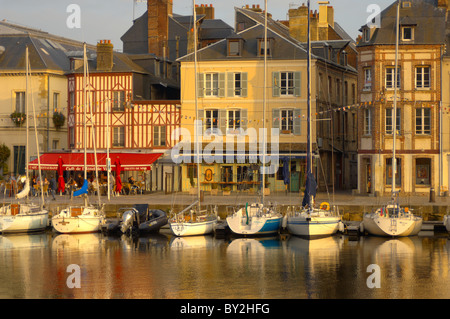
{"x":49,"y":52}
{"x":428,"y":19}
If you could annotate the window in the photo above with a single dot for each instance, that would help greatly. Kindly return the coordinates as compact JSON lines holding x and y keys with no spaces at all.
{"x":389,"y":121}
{"x":237,"y":84}
{"x":423,"y":121}
{"x":390,"y":77}
{"x":367,"y":79}
{"x":287,"y":83}
{"x":234,"y":119}
{"x":71,"y":101}
{"x":398,"y":176}
{"x":261,"y":44}
{"x":55,"y":101}
{"x":287,"y":121}
{"x":423,"y":169}
{"x":211,"y":119}
{"x":407,"y":33}
{"x":72,"y":137}
{"x":234,"y":48}
{"x":227,"y":174}
{"x":367,"y":122}
{"x":20,"y":102}
{"x":422,"y":77}
{"x":118,"y":101}
{"x":211,"y":84}
{"x":191,"y":171}
{"x":55,"y":144}
{"x":366,"y":34}
{"x":19,"y":159}
{"x":159,"y":135}
{"x":119,"y":136}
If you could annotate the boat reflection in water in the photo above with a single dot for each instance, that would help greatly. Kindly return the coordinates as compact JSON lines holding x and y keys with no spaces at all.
{"x":163,"y":266}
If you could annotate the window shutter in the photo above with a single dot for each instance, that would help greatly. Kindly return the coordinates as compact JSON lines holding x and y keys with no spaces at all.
{"x":244,"y":85}
{"x":201,"y":85}
{"x":223,"y":122}
{"x":222,"y":81}
{"x":297,"y":122}
{"x":297,"y":84}
{"x":244,"y":119}
{"x":276,"y":118}
{"x":276,"y":83}
{"x":230,"y":84}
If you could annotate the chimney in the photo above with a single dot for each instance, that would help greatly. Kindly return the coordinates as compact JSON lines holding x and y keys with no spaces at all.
{"x":208,"y":11}
{"x":104,"y":55}
{"x":298,"y":24}
{"x":158,"y":12}
{"x":326,"y":14}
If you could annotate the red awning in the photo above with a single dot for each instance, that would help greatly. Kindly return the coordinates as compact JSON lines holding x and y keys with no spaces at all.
{"x":75,"y":161}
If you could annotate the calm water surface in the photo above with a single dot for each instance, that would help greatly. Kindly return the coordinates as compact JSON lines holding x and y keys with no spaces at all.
{"x":161,"y":266}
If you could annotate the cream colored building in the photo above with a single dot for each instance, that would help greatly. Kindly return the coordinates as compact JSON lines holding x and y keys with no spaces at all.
{"x":230,"y":90}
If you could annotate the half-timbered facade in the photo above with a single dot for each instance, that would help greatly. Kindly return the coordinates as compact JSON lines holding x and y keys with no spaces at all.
{"x":111,"y":110}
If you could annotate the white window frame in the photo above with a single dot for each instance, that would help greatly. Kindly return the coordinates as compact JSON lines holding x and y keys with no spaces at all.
{"x":367,"y":129}
{"x":404,"y":28}
{"x":19,"y":98}
{"x":159,"y":135}
{"x":211,"y":81}
{"x":118,"y":136}
{"x":423,"y":71}
{"x":287,"y":83}
{"x":367,"y":79}
{"x":389,"y":121}
{"x":424,"y":126}
{"x":286,"y":121}
{"x":390,"y":77}
{"x":211,"y":121}
{"x":118,"y":101}
{"x":233,"y":121}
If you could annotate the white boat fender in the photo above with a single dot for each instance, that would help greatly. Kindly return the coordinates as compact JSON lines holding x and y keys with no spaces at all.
{"x":361,"y":227}
{"x":341,"y":227}
{"x":284,"y":222}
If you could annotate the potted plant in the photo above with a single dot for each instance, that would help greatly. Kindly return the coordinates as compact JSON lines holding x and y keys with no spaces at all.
{"x":214,"y":189}
{"x":58,"y":119}
{"x":18,"y":118}
{"x":226,"y":191}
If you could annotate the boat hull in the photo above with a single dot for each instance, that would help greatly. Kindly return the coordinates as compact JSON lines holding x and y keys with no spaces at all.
{"x":24,"y":223}
{"x":378,"y":225}
{"x":320,"y":226}
{"x":89,"y":221}
{"x":240,"y":224}
{"x":193,"y":228}
{"x":447,"y":222}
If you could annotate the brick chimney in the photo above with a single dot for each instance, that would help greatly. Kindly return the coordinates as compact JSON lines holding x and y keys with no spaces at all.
{"x":158,"y":12}
{"x":208,"y":11}
{"x":104,"y":55}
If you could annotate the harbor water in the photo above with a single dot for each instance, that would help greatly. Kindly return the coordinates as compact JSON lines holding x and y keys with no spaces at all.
{"x":160,"y":266}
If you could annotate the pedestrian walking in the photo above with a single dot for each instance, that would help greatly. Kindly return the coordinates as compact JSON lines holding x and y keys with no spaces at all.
{"x":53,"y":186}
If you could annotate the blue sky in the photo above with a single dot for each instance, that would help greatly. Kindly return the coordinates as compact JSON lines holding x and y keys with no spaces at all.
{"x":110,"y":19}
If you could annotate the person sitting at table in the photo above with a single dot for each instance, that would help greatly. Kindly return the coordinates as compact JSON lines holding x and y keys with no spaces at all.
{"x":133,"y":186}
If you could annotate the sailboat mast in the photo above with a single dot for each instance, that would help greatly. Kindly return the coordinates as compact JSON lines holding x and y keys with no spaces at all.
{"x":84,"y":107}
{"x":27,"y":73}
{"x":394,"y":115}
{"x":263,"y":186}
{"x":309,"y":141}
{"x":196,"y":108}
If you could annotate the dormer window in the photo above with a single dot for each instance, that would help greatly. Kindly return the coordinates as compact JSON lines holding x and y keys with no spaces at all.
{"x":366,"y":34}
{"x":407,"y":33}
{"x":234,"y":47}
{"x":261,"y":44}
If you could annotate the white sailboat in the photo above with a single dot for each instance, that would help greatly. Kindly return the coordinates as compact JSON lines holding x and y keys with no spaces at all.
{"x":257,"y":219}
{"x":82,"y":218}
{"x":24,"y":217}
{"x":193,"y":220}
{"x":307,"y":220}
{"x":447,"y":222}
{"x":392,"y":219}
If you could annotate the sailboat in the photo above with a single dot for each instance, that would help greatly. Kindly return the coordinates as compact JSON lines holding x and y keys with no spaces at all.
{"x":257,"y":218}
{"x":24,"y":217}
{"x":193,"y":220}
{"x":83,"y":218}
{"x":309,"y":221}
{"x":392,"y":219}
